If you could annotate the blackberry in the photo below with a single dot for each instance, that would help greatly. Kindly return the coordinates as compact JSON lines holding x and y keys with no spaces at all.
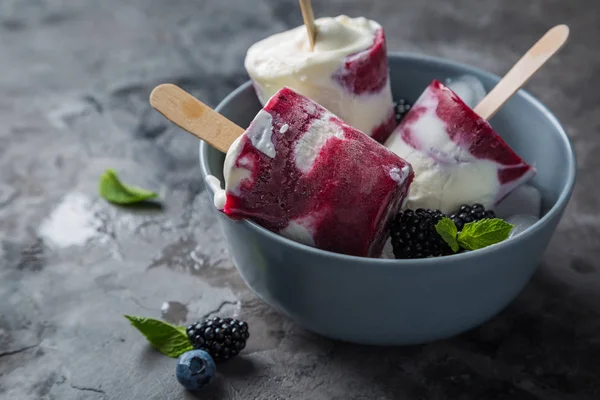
{"x":222,"y":338}
{"x":467,"y":213}
{"x":401,"y":107}
{"x":414,"y":236}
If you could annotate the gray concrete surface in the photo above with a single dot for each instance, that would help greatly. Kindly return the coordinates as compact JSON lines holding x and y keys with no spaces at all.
{"x":74,"y":81}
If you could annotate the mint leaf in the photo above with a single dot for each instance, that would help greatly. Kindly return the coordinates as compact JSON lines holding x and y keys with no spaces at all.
{"x":168,"y":339}
{"x":480,"y":234}
{"x":182,"y":329}
{"x":115,"y":191}
{"x":447,"y":230}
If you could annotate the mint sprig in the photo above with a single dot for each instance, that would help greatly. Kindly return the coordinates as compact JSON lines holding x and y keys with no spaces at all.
{"x":474,"y":235}
{"x":480,"y":234}
{"x":113,"y":190}
{"x":448,"y":231}
{"x":169,"y":339}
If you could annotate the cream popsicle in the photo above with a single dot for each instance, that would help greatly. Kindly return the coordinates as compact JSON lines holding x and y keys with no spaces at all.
{"x":347,"y":73}
{"x":456,"y":155}
{"x":300,"y":171}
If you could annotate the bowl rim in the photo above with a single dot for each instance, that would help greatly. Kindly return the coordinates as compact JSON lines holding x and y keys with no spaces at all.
{"x":408,"y":263}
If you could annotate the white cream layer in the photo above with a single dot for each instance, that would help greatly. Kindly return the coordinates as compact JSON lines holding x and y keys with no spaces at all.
{"x":446,"y":175}
{"x":285,"y":59}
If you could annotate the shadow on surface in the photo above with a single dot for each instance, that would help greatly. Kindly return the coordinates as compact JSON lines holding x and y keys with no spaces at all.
{"x":216,"y":390}
{"x":545,"y":345}
{"x":240,"y":366}
{"x":144,"y":206}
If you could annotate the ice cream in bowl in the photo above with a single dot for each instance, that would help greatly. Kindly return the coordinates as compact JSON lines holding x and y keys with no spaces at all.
{"x":395,"y":238}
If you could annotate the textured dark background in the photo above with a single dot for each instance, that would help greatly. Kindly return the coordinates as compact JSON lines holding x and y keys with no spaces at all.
{"x":74,"y":81}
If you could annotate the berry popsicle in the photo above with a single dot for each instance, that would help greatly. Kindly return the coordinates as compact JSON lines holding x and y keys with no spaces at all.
{"x":299,"y":171}
{"x":347,"y":72}
{"x":457,"y":156}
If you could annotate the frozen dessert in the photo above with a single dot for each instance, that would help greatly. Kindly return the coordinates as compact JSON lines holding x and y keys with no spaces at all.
{"x":456,"y":155}
{"x":302,"y":172}
{"x":526,"y":199}
{"x":347,"y":73}
{"x":468,"y":88}
{"x":310,"y":168}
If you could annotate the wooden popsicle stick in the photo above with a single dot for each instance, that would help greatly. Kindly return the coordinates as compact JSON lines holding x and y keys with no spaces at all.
{"x":522,"y":71}
{"x":309,"y":21}
{"x":190,"y":114}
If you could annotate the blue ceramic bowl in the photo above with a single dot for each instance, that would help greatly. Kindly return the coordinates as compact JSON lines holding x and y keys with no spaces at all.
{"x":401,"y":302}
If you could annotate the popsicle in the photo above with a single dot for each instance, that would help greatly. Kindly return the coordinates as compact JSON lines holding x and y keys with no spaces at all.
{"x":299,"y":171}
{"x":346,"y":72}
{"x":457,"y":156}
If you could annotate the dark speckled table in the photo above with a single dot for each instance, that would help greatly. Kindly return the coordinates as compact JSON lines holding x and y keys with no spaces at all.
{"x":74,"y":81}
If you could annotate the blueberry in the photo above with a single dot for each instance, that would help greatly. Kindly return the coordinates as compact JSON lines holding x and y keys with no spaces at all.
{"x":195,"y":369}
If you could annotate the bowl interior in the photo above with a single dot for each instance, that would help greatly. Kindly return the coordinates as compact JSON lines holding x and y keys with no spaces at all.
{"x":524,"y":123}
